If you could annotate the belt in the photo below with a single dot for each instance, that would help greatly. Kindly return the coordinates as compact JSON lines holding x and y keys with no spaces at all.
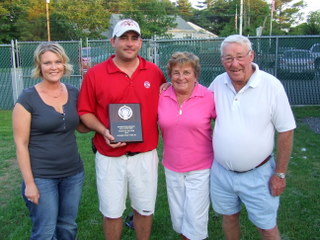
{"x":262,"y":163}
{"x":130,"y":154}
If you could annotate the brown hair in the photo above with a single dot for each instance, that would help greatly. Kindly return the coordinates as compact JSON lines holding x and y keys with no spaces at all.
{"x":182,"y":58}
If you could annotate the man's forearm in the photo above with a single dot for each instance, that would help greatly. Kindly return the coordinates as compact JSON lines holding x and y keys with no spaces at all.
{"x":92,"y":122}
{"x":284,"y":149}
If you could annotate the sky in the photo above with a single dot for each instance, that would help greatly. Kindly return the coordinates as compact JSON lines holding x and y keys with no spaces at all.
{"x":313,"y":5}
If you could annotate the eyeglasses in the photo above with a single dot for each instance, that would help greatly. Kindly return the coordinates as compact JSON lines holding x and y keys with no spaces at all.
{"x":239,"y":58}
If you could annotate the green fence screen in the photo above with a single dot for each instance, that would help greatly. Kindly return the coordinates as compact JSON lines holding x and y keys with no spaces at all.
{"x":295,"y":60}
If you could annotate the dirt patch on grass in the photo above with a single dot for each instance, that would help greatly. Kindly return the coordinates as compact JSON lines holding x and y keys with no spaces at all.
{"x":10,"y":180}
{"x":313,"y":123}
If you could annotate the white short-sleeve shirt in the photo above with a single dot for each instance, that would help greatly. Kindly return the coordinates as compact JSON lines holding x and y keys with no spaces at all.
{"x":246,"y":121}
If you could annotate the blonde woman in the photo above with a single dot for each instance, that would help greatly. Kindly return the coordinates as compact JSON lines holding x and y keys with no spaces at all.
{"x":44,"y":122}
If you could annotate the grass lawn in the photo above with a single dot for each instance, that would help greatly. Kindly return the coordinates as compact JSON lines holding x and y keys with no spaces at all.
{"x":299,"y":214}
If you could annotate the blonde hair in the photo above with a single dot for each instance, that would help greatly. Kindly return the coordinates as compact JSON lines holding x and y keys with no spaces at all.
{"x":183,"y":58}
{"x":52,"y":47}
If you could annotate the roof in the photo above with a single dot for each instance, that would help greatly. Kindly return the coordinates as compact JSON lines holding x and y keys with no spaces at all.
{"x":183,"y":29}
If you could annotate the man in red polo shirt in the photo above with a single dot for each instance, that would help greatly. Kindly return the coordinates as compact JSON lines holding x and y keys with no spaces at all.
{"x":124,"y":78}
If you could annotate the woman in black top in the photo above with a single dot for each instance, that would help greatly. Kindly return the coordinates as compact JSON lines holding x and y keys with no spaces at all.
{"x":44,"y":122}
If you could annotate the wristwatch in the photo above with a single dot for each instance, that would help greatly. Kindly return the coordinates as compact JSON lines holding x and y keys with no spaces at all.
{"x":280,"y":175}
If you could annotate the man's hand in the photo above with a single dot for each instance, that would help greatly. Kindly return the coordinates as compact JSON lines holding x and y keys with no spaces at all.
{"x":277,"y":185}
{"x":109,"y":138}
{"x":164,"y":86}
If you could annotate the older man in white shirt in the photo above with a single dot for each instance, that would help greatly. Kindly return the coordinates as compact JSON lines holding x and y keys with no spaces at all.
{"x":251,"y":107}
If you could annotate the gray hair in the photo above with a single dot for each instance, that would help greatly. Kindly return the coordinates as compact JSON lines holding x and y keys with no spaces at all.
{"x":184,"y":58}
{"x":244,"y":41}
{"x":52,"y":47}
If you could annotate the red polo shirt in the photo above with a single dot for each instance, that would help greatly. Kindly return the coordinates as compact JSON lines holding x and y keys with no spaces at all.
{"x":105,"y":83}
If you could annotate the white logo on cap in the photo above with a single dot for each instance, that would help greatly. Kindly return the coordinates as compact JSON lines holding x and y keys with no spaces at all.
{"x":125,"y":26}
{"x":128,"y":22}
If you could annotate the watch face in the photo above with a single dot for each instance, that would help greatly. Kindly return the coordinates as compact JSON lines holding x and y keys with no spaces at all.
{"x":281,"y":175}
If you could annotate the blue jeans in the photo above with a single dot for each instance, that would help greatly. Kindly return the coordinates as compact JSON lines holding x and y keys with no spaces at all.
{"x":55,"y":215}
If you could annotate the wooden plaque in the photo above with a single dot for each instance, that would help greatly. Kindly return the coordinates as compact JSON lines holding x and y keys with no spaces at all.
{"x":125,"y":122}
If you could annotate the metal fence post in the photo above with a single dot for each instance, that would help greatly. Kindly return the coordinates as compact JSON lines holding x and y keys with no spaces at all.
{"x":277,"y":57}
{"x":16,"y":74}
{"x":155,"y":50}
{"x":301,"y":81}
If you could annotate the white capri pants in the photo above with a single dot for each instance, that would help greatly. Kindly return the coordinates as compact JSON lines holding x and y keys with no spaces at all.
{"x":188,"y":197}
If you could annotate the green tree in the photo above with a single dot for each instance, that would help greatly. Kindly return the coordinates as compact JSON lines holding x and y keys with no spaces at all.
{"x":215,"y":18}
{"x":209,"y":3}
{"x":313,"y":23}
{"x":82,"y":18}
{"x":184,"y":8}
{"x":256,"y":14}
{"x":287,"y":13}
{"x":222,"y":18}
{"x":33,"y":25}
{"x":11,"y":11}
{"x":311,"y":27}
{"x":25,"y":20}
{"x":116,"y":6}
{"x":152,"y":16}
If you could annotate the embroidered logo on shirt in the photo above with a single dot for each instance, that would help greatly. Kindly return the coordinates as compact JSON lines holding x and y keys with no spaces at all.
{"x":147,"y":84}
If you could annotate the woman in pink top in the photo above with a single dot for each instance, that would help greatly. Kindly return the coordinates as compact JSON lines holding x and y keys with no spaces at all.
{"x":185,"y":111}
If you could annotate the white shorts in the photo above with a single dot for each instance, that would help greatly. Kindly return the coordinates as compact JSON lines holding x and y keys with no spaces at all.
{"x":116,"y":175}
{"x":188,"y":197}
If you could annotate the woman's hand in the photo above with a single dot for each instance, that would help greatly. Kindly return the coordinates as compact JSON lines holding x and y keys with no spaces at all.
{"x":31,"y":192}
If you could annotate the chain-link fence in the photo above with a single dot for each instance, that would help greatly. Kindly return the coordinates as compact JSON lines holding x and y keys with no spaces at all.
{"x":16,"y":63}
{"x":24,"y":52}
{"x":6,"y":98}
{"x":295,"y":60}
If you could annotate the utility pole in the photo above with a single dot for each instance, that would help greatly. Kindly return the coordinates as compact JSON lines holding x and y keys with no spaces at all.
{"x":271,"y":15}
{"x":48,"y":19}
{"x":236,"y":19}
{"x":241,"y":17}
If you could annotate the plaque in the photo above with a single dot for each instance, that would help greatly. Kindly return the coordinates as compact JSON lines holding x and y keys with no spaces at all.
{"x":125,"y":122}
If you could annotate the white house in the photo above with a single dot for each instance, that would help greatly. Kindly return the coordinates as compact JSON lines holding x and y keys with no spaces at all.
{"x":183,"y":29}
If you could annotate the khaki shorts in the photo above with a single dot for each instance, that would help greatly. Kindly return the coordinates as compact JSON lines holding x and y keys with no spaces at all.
{"x":116,"y":176}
